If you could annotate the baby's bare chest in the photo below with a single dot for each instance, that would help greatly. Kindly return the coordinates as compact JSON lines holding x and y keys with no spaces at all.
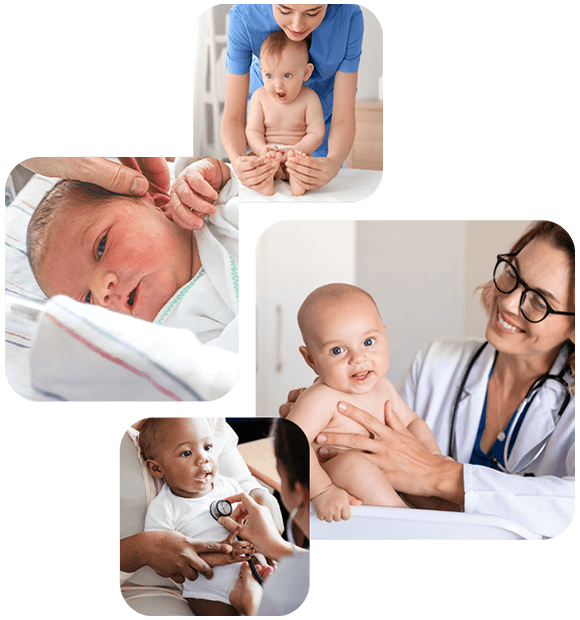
{"x":371,"y":404}
{"x":280,"y":119}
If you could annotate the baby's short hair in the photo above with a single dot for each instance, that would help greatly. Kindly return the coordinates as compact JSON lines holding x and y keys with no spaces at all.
{"x":151,"y":436}
{"x":276,"y":42}
{"x":328,"y":293}
{"x":65,"y":194}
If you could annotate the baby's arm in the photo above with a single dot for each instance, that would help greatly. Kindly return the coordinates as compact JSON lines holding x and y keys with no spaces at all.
{"x":315,"y":128}
{"x":414,"y":423}
{"x":255,"y":130}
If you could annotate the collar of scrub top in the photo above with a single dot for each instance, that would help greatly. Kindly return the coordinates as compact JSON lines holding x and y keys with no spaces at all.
{"x":537,"y":425}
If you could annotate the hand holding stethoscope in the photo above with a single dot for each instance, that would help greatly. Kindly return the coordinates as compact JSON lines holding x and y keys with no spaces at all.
{"x":259,"y":527}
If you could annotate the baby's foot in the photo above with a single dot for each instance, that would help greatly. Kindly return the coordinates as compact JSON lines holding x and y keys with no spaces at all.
{"x":295,"y":188}
{"x":272,"y":157}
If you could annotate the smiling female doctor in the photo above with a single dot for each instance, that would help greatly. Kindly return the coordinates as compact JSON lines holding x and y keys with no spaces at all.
{"x":504,"y":409}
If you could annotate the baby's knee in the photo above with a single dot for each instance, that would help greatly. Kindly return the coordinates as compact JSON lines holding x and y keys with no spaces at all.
{"x":347,"y":461}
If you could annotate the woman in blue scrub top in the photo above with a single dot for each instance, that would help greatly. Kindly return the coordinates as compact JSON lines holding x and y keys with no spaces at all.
{"x":336,"y":32}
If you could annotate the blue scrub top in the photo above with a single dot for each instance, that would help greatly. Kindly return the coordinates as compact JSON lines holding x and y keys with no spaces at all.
{"x":336,"y":46}
{"x":478,"y":456}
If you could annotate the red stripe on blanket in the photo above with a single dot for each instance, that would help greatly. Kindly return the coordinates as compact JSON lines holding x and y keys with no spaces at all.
{"x":107,"y":356}
{"x":16,"y":335}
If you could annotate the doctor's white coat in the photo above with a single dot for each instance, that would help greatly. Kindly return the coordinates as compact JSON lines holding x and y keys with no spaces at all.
{"x":544,"y":503}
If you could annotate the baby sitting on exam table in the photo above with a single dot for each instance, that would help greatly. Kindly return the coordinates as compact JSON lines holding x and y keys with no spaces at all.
{"x":180,"y":452}
{"x":284,"y":115}
{"x":345,"y":343}
{"x":123,"y":253}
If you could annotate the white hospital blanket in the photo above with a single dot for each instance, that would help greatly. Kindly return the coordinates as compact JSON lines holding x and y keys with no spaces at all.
{"x":349,"y":185}
{"x":209,"y":303}
{"x":88,"y":353}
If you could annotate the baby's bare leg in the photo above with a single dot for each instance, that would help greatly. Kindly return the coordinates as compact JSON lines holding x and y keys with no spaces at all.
{"x":202,"y":607}
{"x":353,"y":472}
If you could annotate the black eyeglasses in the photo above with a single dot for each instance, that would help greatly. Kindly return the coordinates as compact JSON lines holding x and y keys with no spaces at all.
{"x":533,"y":304}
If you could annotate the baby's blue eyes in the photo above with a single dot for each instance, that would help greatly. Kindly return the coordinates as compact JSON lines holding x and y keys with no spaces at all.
{"x":338,"y":350}
{"x":287,"y":75}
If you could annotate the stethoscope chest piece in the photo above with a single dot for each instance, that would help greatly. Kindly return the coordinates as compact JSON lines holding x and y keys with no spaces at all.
{"x":220,"y":508}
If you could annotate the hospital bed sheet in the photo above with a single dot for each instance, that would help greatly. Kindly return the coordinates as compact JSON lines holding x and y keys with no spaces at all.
{"x":349,"y":185}
{"x":19,"y":283}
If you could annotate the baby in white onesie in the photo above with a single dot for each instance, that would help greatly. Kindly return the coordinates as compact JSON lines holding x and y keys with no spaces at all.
{"x":180,"y":451}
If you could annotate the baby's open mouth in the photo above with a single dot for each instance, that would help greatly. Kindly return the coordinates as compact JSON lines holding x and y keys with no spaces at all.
{"x":361,"y":376}
{"x":281,"y":96}
{"x":131,"y":299}
{"x":134,"y":297}
{"x":204,"y":477}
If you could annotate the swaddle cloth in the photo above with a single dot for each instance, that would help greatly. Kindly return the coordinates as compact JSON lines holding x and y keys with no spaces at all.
{"x":86,"y":352}
{"x":191,"y":517}
{"x":209,"y":303}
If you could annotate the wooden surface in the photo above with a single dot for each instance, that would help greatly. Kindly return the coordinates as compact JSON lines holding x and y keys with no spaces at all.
{"x":367,"y":149}
{"x":259,"y":456}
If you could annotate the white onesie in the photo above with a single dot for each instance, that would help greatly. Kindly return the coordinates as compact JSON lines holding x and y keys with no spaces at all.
{"x":208,"y":305}
{"x":192,"y":518}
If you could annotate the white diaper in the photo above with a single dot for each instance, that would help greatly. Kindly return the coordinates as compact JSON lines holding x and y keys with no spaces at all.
{"x":284,"y":146}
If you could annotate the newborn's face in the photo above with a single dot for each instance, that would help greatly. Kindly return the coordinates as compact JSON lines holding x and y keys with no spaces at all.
{"x":349,"y":347}
{"x":124,"y":255}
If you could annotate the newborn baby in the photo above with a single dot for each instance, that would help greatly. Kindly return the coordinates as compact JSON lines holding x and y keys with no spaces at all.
{"x":284,"y":115}
{"x":125,"y":254}
{"x":345,"y":343}
{"x":181,"y":452}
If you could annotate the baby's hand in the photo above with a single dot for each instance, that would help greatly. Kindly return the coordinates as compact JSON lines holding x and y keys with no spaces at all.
{"x":267,"y":148}
{"x":194,"y":192}
{"x":333,"y":504}
{"x":241,"y":550}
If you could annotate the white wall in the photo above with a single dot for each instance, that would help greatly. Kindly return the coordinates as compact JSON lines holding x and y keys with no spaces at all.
{"x":423,"y":274}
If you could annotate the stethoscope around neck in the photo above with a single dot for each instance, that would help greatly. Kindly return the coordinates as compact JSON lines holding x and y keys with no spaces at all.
{"x":531,"y":394}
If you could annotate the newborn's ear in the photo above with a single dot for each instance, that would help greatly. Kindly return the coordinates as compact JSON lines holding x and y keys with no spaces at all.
{"x":156,"y":171}
{"x":157,"y":198}
{"x":308,"y":71}
{"x":153,"y":468}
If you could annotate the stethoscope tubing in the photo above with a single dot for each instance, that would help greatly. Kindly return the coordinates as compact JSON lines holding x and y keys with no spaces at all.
{"x":529,"y":397}
{"x":223,"y":508}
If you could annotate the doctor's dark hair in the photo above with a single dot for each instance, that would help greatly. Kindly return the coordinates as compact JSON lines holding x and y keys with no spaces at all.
{"x":292,"y":451}
{"x":561,"y":240}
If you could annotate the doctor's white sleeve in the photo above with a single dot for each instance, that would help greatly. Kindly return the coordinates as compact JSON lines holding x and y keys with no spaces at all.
{"x":543,"y":504}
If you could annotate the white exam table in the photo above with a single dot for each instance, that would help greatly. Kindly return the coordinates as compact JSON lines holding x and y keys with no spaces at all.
{"x":378,"y":523}
{"x":351,"y":185}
